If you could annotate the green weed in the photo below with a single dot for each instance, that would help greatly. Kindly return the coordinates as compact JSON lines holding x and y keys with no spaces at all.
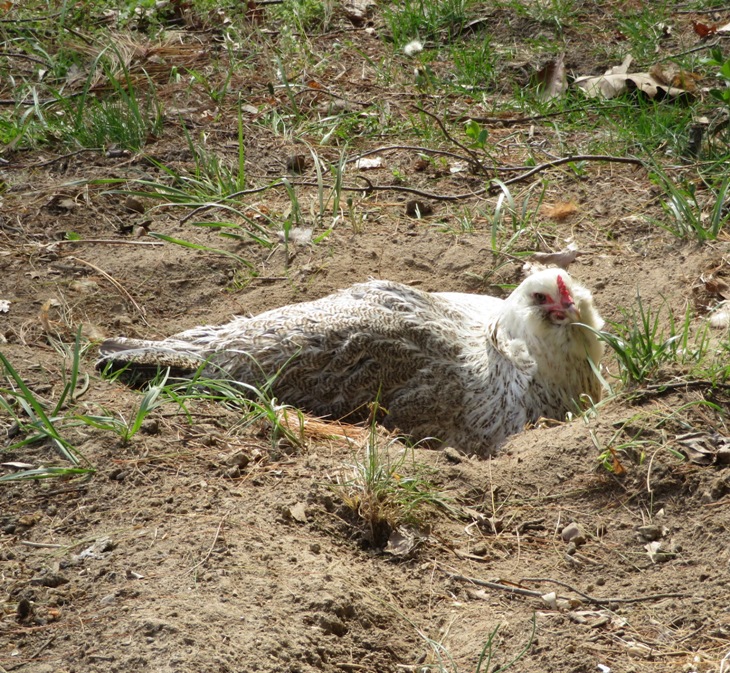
{"x":40,"y":422}
{"x":642,"y":346}
{"x":126,"y":118}
{"x":695,"y":214}
{"x":126,"y":428}
{"x":380,"y":492}
{"x":425,"y":20}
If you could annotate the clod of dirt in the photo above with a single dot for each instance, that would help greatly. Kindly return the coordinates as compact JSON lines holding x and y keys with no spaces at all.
{"x":29,"y":520}
{"x":237,"y":459}
{"x":418,"y":209}
{"x":151,"y":628}
{"x":452,"y":455}
{"x":296,"y":164}
{"x":332,"y":625}
{"x":150,"y":427}
{"x":651,"y":532}
{"x":134,"y":205}
{"x":84,"y":286}
{"x":50,"y":580}
{"x":118,"y":474}
{"x":298,"y":512}
{"x":24,"y":610}
{"x":720,"y":486}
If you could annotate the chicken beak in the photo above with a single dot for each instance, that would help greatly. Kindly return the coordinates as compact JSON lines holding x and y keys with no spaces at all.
{"x":572,"y":312}
{"x":565,"y":313}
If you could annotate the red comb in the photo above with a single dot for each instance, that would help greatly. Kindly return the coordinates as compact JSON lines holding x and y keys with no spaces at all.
{"x":564,"y":293}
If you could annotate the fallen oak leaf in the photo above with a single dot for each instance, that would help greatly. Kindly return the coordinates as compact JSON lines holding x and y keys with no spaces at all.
{"x":610,"y":86}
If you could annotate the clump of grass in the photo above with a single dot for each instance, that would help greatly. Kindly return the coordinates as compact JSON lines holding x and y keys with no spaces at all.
{"x":475,"y":62}
{"x":380,"y":492}
{"x":40,"y":422}
{"x":425,"y":19}
{"x":688,"y":218}
{"x":126,"y":428}
{"x":642,"y":346}
{"x":126,"y":118}
{"x":257,"y":404}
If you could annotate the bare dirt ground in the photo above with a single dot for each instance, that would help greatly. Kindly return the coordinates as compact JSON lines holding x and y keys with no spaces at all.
{"x":172,"y":558}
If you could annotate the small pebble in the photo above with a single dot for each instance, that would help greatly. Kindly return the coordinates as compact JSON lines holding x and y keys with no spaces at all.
{"x":479,"y":549}
{"x":574,"y":533}
{"x":452,"y":455}
{"x":237,"y":459}
{"x":150,"y":427}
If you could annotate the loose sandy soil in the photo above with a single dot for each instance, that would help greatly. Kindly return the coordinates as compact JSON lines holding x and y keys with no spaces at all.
{"x":172,"y":559}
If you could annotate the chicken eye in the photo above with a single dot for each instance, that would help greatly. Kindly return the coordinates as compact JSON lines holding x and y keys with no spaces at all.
{"x":540,"y":298}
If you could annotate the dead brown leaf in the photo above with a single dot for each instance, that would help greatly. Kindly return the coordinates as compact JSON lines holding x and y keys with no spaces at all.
{"x":560,"y":211}
{"x":563,"y":259}
{"x":658,"y":83}
{"x":703,"y":30}
{"x":551,"y":80}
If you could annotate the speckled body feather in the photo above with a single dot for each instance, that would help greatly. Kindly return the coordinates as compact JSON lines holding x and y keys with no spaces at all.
{"x":468,"y":370}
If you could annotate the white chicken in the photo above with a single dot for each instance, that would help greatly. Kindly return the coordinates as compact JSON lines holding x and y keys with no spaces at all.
{"x":463,"y":369}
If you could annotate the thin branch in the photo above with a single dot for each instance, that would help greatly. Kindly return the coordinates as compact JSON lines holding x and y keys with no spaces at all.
{"x":413,"y":148}
{"x":212,"y":546}
{"x":538,"y":594}
{"x":104,"y":241}
{"x":42,"y":103}
{"x":709,"y":45}
{"x":508,"y":121}
{"x":701,"y":11}
{"x":38,"y":19}
{"x":569,"y":159}
{"x":428,"y":150}
{"x":61,"y":158}
{"x":474,"y":158}
{"x":412,"y":190}
{"x":34,"y":59}
{"x":306,"y":89}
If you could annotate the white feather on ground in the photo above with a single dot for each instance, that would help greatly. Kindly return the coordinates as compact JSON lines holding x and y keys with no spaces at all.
{"x":468,"y":370}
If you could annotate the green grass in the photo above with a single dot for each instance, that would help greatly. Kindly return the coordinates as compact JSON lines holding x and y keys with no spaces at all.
{"x":475,"y":62}
{"x":41,"y":421}
{"x":694,"y":209}
{"x":646,"y":340}
{"x":386,"y":487}
{"x":425,"y":20}
{"x":644,"y":29}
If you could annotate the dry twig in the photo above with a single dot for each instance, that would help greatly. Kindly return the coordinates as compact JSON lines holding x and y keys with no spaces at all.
{"x":115,"y":283}
{"x":212,"y":546}
{"x":514,"y":589}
